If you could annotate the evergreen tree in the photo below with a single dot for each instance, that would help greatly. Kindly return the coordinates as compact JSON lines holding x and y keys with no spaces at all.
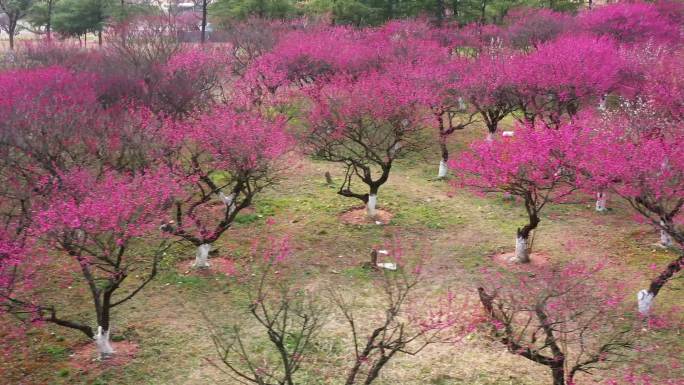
{"x":79,"y":17}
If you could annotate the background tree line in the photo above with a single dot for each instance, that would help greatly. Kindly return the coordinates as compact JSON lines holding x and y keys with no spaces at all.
{"x":76,"y":18}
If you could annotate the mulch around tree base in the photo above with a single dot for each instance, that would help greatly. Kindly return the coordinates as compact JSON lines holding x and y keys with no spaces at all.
{"x":217,"y":265}
{"x":85,"y":358}
{"x":358,"y":216}
{"x":536,"y":260}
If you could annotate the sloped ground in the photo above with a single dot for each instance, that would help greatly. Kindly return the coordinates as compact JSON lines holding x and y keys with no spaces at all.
{"x":458,"y":234}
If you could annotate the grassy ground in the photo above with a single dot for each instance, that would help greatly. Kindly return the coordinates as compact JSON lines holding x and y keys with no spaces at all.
{"x":457,"y":233}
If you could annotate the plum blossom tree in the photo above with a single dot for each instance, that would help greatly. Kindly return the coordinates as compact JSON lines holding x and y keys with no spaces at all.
{"x":479,"y":37}
{"x":307,"y":57}
{"x":464,"y":88}
{"x":405,"y":324}
{"x":304,"y":57}
{"x":145,"y":41}
{"x":44,"y":111}
{"x":365,"y":124}
{"x":144,"y":61}
{"x":438,"y":77}
{"x":92,"y":228}
{"x":252,"y":38}
{"x":663,"y":84}
{"x":226,"y":155}
{"x":51,"y":121}
{"x":190,"y":81}
{"x":291,"y":316}
{"x":13,"y":245}
{"x":531,"y":166}
{"x":556,"y":80}
{"x":529,"y":27}
{"x":563,"y":318}
{"x":486,"y":87}
{"x":635,"y":22}
{"x":639,"y":157}
{"x":433,"y":70}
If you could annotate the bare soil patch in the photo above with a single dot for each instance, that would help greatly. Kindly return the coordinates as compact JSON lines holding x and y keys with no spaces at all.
{"x":537,"y":260}
{"x":358,"y":216}
{"x":85,"y":358}
{"x":217,"y":265}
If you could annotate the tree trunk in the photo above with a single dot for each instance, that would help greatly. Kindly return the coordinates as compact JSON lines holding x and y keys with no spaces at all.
{"x":491,"y":117}
{"x":390,"y":10}
{"x":228,"y":200}
{"x":522,"y":244}
{"x":203,"y":33}
{"x":461,"y":104}
{"x":483,"y":10}
{"x":48,"y":26}
{"x":372,"y":202}
{"x":202,"y":256}
{"x":644,"y":301}
{"x":439,"y":9}
{"x":558,"y":374}
{"x":646,"y":297}
{"x":99,"y":38}
{"x":375,"y":370}
{"x":665,"y":238}
{"x":522,"y":251}
{"x":11,"y":30}
{"x":443,"y":166}
{"x":102,"y":341}
{"x":443,"y":169}
{"x":601,"y":199}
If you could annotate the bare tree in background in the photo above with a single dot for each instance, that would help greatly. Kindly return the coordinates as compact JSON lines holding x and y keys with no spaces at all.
{"x":291,"y":317}
{"x":402,"y":322}
{"x":403,"y":327}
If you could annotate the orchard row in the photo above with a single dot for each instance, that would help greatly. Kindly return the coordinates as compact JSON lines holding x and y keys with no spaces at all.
{"x":109,"y":156}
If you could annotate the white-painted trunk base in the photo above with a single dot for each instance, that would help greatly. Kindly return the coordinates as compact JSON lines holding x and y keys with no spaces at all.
{"x":645,"y":301}
{"x":443,"y":169}
{"x":395,"y":148}
{"x":602,"y":103}
{"x":522,"y":253}
{"x":461,"y":104}
{"x":665,"y":239}
{"x":371,"y":205}
{"x":490,"y":137}
{"x":601,"y":200}
{"x":228,"y":200}
{"x":202,"y":256}
{"x":104,"y":347}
